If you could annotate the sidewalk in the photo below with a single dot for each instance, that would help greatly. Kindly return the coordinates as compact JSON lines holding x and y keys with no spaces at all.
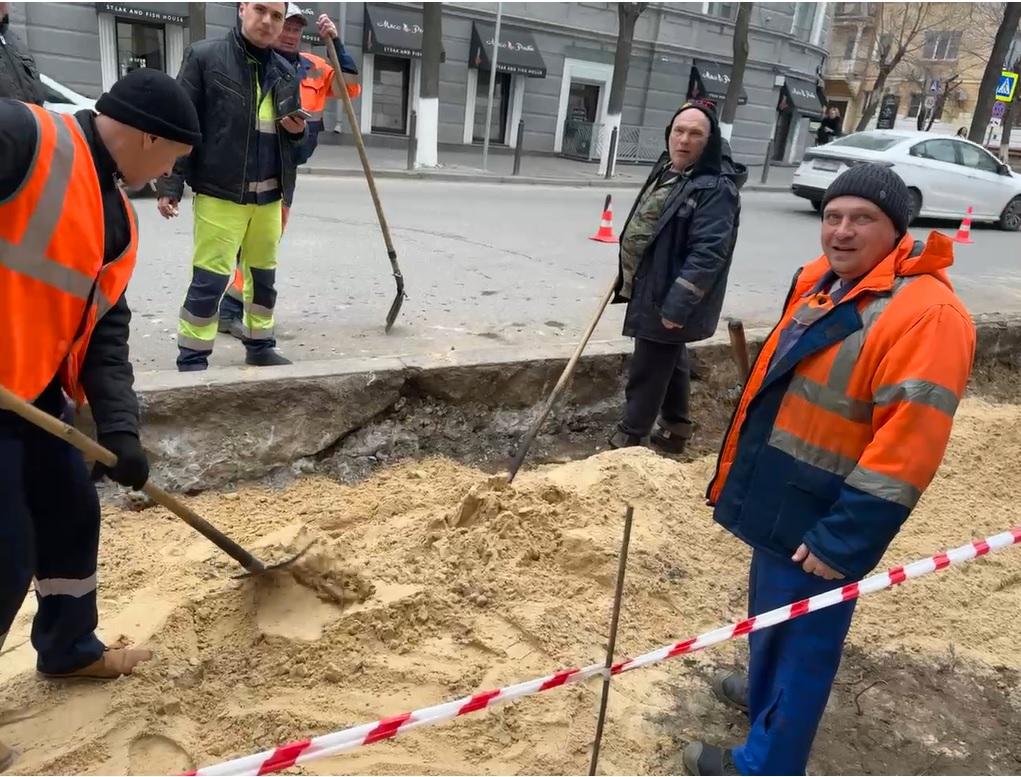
{"x":465,"y":165}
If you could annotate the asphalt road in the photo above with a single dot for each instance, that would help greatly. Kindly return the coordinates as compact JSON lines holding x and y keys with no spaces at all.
{"x":485,"y":265}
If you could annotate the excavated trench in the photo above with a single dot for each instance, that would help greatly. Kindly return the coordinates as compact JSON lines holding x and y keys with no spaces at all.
{"x":432,"y":579}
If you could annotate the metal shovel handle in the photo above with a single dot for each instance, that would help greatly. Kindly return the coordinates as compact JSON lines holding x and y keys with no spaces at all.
{"x":88,"y":446}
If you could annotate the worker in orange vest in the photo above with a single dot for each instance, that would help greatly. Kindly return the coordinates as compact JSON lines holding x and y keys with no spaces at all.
{"x":840,"y":428}
{"x":68,"y":245}
{"x":317,"y":87}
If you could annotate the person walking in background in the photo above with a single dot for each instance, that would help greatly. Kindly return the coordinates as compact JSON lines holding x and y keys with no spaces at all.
{"x":19,"y":76}
{"x":840,"y":428}
{"x":247,"y":97}
{"x":675,"y":253}
{"x":316,"y":75}
{"x":830,"y":127}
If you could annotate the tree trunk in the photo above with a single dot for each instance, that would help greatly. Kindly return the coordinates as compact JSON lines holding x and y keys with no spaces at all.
{"x":744,"y":14}
{"x":991,"y":76}
{"x":428,"y":117}
{"x":874,"y":102}
{"x":627,"y":15}
{"x":196,"y":21}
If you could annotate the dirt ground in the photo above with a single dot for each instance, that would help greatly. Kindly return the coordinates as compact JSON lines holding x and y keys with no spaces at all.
{"x":430,"y":580}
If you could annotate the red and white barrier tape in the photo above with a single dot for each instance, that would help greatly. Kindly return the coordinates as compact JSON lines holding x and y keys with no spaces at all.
{"x":351,"y":738}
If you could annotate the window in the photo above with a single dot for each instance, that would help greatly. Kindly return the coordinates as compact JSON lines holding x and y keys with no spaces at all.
{"x":937,"y":150}
{"x":723,"y":10}
{"x":804,"y":19}
{"x":852,"y":41}
{"x":977,"y":159}
{"x":915,"y":105}
{"x":501,"y":101}
{"x":942,"y":46}
{"x":140,"y":45}
{"x":390,"y":78}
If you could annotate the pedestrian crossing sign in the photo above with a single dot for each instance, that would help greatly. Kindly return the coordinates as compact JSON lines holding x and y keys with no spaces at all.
{"x":1005,"y":89}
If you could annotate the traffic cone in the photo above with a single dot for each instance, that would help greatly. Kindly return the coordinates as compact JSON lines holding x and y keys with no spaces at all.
{"x":605,"y":232}
{"x":964,"y":231}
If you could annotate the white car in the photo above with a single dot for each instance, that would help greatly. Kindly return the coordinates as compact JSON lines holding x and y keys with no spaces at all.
{"x":945,"y":175}
{"x":63,"y":99}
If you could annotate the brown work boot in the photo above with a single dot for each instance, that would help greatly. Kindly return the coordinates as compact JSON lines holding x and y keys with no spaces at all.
{"x":114,"y":663}
{"x":6,"y":757}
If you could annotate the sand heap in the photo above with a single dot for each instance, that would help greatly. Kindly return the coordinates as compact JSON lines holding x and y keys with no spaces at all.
{"x":432,"y":580}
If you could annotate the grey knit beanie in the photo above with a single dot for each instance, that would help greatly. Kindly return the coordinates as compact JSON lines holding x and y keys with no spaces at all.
{"x":879,"y":185}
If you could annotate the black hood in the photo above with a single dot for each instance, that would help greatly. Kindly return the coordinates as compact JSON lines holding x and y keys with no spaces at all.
{"x":735,"y":171}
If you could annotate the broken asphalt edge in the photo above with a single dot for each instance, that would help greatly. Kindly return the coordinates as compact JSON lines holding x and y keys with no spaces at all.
{"x":205,"y":430}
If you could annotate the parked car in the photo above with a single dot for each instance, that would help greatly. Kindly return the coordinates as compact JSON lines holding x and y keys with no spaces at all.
{"x":63,"y":99}
{"x":945,"y":175}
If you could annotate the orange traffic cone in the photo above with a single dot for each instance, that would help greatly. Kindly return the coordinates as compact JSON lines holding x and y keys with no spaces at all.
{"x":964,"y":231}
{"x":605,"y":232}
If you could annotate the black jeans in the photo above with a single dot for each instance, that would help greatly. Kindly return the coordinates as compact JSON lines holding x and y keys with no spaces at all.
{"x":659,"y":383}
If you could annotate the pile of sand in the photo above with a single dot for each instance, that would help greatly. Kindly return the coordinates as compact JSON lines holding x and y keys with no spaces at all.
{"x":432,"y":581}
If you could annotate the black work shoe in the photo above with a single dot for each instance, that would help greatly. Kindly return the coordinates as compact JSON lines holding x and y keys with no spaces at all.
{"x":620,"y":439}
{"x":192,"y":366}
{"x":700,"y":758}
{"x":732,"y":689}
{"x":672,"y":436}
{"x":232,"y":327}
{"x":268,"y":357}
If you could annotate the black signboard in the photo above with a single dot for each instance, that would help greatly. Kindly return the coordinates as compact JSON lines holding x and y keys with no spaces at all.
{"x":146,"y":13}
{"x":710,"y":80}
{"x":518,"y":52}
{"x":311,"y":12}
{"x":804,"y":97}
{"x":396,"y":32}
{"x":888,"y":111}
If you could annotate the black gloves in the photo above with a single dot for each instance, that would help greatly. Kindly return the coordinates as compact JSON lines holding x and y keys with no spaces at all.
{"x":132,"y":464}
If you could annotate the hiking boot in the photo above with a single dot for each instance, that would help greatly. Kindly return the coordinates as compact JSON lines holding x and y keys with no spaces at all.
{"x":114,"y":663}
{"x":6,"y":757}
{"x":621,"y":439}
{"x":231,"y":326}
{"x":732,"y":689}
{"x":672,"y":436}
{"x":700,"y":758}
{"x":267,"y":357}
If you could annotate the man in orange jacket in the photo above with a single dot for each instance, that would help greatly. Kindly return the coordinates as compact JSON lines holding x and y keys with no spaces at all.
{"x":316,"y":76}
{"x":68,"y":244}
{"x":842,"y":425}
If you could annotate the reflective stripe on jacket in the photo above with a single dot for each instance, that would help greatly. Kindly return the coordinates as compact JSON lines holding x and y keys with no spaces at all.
{"x":54,"y":286}
{"x":833,"y":444}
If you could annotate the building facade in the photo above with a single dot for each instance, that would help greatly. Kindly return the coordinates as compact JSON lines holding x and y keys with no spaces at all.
{"x":554,"y":66}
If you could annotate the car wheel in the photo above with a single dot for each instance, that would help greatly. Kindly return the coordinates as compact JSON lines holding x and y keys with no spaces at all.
{"x":817,"y":205}
{"x":1010,"y":219}
{"x":914,"y":205}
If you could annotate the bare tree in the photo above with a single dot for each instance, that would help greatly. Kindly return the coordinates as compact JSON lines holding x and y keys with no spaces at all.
{"x":927,"y":116}
{"x":900,"y":31}
{"x":627,"y":16}
{"x":744,"y":14}
{"x":991,"y":77}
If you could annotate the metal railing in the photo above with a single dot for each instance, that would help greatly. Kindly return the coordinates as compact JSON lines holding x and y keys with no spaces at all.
{"x":582,"y":140}
{"x":639,"y":144}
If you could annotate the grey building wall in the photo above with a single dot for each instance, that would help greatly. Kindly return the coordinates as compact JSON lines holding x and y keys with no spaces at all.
{"x":65,"y":40}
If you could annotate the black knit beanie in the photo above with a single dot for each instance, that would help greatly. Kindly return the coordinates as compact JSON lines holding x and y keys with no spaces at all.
{"x":879,"y":185}
{"x":151,"y":101}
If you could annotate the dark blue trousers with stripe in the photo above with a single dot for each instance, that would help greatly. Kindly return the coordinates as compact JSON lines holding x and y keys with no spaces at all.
{"x":49,"y":530}
{"x":791,"y":667}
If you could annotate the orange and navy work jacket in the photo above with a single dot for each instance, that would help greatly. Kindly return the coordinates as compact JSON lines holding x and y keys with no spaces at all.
{"x":317,"y":85}
{"x":54,"y":286}
{"x":833,"y":443}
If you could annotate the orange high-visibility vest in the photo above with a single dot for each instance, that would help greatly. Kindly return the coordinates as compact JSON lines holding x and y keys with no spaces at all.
{"x":54,"y":286}
{"x":317,"y":86}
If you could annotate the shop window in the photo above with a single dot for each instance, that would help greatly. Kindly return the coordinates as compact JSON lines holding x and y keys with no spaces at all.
{"x":390,"y":80}
{"x":501,"y":101}
{"x":140,"y":45}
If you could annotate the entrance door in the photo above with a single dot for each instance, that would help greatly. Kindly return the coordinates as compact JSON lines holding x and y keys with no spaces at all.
{"x":390,"y":79}
{"x":783,"y":130}
{"x":140,"y":45}
{"x":579,"y":126}
{"x":501,"y":101}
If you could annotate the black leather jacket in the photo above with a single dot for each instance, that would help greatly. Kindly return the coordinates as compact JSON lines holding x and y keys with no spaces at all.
{"x":218,"y":77}
{"x":19,"y":76}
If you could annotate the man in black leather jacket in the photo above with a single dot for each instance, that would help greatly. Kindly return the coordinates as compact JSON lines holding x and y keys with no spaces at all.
{"x":245,"y":95}
{"x":19,"y":76}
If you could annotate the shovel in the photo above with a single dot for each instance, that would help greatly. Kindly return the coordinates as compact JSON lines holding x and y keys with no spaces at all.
{"x":91,"y":448}
{"x":565,"y":378}
{"x":340,"y":85}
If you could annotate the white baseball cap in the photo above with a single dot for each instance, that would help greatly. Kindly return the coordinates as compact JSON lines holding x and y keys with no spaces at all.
{"x":293,"y":10}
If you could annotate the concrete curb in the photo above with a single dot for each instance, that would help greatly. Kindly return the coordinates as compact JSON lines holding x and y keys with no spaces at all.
{"x":521,"y":180}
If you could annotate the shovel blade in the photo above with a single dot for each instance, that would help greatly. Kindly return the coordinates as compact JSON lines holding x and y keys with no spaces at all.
{"x":395,"y":307}
{"x":274,"y":567}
